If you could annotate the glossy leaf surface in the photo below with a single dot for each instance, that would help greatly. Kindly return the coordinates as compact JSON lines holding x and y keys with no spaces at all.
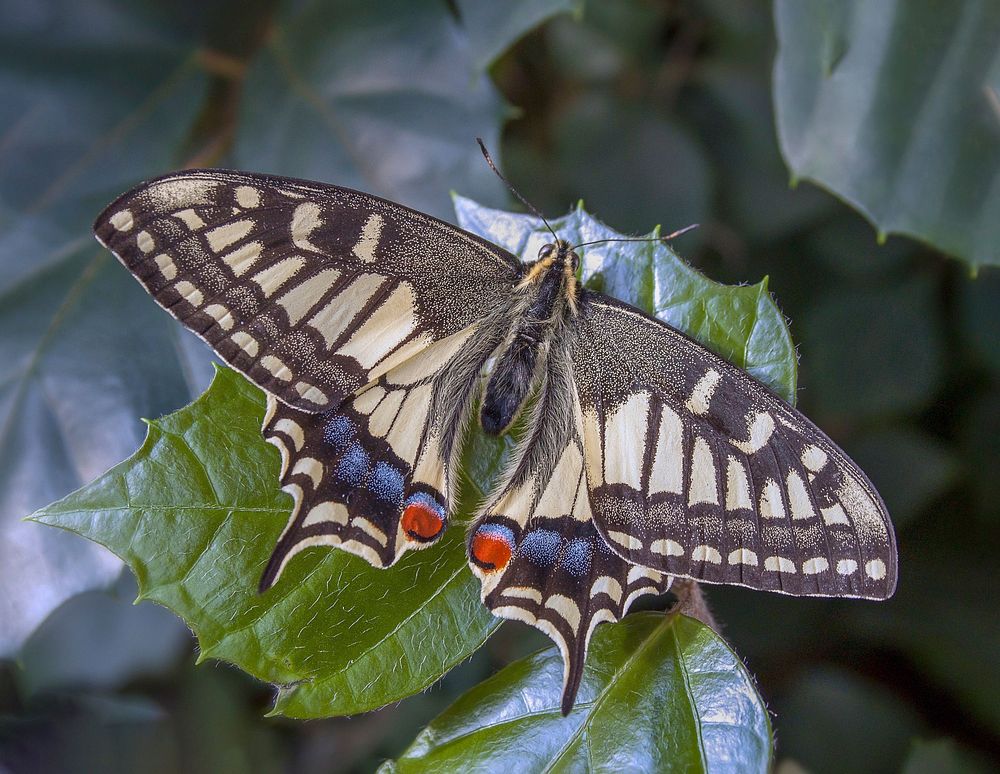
{"x":660,"y":693}
{"x":95,"y":97}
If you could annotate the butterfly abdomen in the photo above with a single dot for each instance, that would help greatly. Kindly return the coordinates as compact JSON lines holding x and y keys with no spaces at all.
{"x":510,"y":383}
{"x":518,"y":364}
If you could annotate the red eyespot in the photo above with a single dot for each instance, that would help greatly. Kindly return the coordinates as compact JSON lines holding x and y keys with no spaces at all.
{"x":421,"y":522}
{"x":491,"y":549}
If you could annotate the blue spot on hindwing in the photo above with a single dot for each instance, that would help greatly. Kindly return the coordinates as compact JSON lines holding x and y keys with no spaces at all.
{"x":339,"y":432}
{"x":576,"y":557}
{"x":499,"y":530}
{"x":428,"y":500}
{"x":353,"y":467}
{"x":387,"y":483}
{"x":540,"y":546}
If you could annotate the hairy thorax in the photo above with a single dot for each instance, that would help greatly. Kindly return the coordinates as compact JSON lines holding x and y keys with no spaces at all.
{"x":546,"y":299}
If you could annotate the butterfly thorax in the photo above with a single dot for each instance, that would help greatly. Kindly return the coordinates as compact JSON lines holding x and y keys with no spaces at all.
{"x":547,"y":297}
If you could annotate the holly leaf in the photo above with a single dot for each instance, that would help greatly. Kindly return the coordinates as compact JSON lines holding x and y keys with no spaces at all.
{"x":196,"y":521}
{"x":660,"y":693}
{"x":895,"y":108}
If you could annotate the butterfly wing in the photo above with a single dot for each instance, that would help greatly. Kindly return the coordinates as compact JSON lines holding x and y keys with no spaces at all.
{"x":696,"y":469}
{"x":311,"y":290}
{"x":374,"y":476}
{"x":536,"y":548}
{"x":350,"y":311}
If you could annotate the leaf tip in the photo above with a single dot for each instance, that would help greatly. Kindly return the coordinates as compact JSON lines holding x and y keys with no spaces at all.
{"x":881,"y":237}
{"x":280,"y":698}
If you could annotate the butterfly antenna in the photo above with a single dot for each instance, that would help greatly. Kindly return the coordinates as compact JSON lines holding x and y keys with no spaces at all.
{"x":513,"y":190}
{"x":666,"y":238}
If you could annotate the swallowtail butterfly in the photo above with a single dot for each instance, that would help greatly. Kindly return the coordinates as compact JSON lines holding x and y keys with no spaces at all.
{"x":379,"y":333}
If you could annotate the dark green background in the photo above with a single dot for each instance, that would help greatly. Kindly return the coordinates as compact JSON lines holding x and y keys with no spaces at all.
{"x":651,"y":112}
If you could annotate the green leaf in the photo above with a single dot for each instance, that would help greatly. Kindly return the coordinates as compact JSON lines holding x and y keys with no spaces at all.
{"x":740,"y":323}
{"x":660,"y":693}
{"x":377,"y":95}
{"x":895,"y":107}
{"x":93,"y":97}
{"x":196,"y":523}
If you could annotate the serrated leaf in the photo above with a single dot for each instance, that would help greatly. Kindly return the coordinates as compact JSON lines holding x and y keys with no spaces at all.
{"x":895,"y":107}
{"x":92,"y":98}
{"x":196,"y":523}
{"x":661,"y":693}
{"x":740,"y":323}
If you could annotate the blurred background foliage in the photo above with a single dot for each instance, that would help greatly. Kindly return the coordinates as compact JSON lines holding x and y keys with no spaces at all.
{"x":651,"y":112}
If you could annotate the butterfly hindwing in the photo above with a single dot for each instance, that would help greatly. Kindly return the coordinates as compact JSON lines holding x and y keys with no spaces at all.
{"x":311,"y":290}
{"x":536,"y":548}
{"x":374,"y":476}
{"x":697,"y":470}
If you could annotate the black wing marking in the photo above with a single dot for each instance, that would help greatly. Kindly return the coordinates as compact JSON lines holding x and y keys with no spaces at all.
{"x":310,"y":290}
{"x":535,"y":546}
{"x":697,"y":470}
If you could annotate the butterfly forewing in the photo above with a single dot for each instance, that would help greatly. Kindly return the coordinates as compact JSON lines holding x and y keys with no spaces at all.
{"x":310,"y":290}
{"x":695,"y":469}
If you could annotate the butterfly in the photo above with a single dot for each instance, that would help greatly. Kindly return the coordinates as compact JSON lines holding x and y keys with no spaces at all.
{"x":379,"y":334}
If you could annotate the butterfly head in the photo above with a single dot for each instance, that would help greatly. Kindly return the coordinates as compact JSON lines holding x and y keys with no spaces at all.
{"x":553,"y":273}
{"x":559,"y":253}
